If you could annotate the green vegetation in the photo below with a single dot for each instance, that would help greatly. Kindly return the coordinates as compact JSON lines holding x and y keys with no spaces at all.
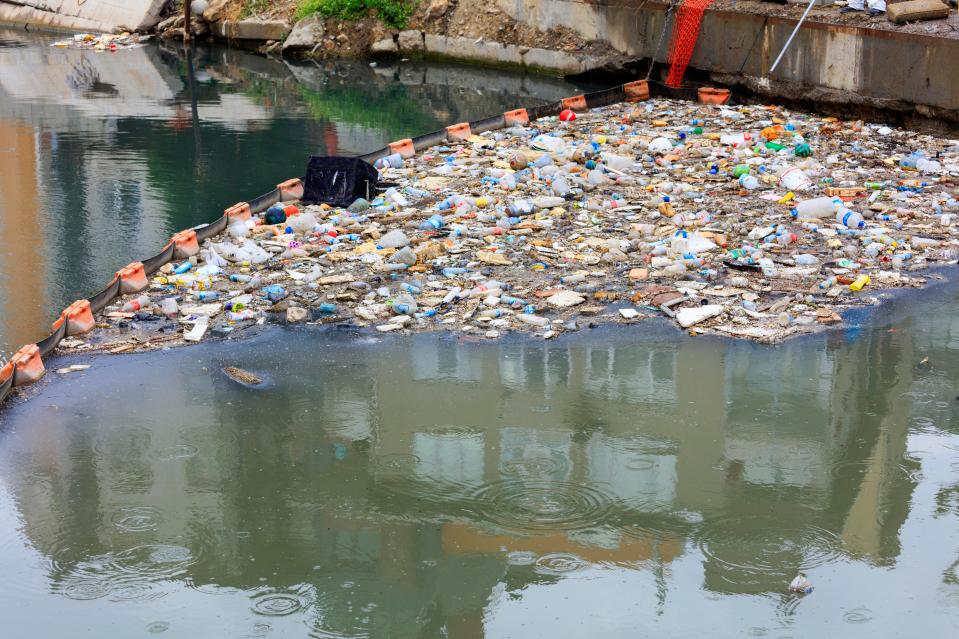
{"x":393,"y":13}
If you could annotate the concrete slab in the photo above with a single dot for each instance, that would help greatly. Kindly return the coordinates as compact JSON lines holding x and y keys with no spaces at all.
{"x":91,"y":15}
{"x":251,"y":29}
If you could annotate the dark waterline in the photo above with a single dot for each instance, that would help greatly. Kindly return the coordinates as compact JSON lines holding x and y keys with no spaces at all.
{"x":103,"y":156}
{"x":615,"y":483}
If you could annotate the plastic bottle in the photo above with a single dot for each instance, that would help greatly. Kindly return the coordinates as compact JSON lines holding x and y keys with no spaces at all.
{"x":909,"y":162}
{"x":768,"y":268}
{"x":434,"y":222}
{"x":848,"y":218}
{"x":749,"y":182}
{"x":404,"y":305}
{"x":922,"y":242}
{"x":560,"y":186}
{"x":392,"y":161}
{"x":206,"y":296}
{"x":617,"y":162}
{"x":394,"y":239}
{"x":136,"y":304}
{"x":827,"y":283}
{"x":814,"y":209}
{"x":533,"y":320}
{"x":785,"y":238}
{"x":806,"y":259}
{"x":860,"y":282}
{"x":573,"y":279}
{"x":452,"y":295}
{"x":520,"y":207}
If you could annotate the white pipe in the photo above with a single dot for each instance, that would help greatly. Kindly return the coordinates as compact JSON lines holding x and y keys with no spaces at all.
{"x":791,"y":36}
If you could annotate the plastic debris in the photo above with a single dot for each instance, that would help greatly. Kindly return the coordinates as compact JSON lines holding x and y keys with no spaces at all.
{"x":624,"y":213}
{"x":102,"y":41}
{"x":800,"y":584}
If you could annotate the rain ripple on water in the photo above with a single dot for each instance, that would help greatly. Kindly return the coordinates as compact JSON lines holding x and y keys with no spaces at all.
{"x":543,"y":505}
{"x":135,"y":574}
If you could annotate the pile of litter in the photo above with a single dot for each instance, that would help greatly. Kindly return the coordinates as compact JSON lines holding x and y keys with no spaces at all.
{"x":753,"y":222}
{"x":102,"y":42}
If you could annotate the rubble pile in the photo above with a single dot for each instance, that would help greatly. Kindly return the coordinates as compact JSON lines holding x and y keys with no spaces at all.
{"x":752,"y":222}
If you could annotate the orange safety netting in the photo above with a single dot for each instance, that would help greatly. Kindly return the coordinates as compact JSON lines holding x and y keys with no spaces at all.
{"x":685,"y":34}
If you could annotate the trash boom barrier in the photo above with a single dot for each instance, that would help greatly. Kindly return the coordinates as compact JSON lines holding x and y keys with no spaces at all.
{"x":26,"y":366}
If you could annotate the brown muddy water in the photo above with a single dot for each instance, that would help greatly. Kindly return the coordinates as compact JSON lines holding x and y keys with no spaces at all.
{"x":612,"y":483}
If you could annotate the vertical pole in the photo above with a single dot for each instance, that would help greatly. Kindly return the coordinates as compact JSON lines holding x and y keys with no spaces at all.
{"x":187,"y":22}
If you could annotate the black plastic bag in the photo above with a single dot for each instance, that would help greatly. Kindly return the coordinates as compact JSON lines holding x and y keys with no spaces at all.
{"x":338,"y":181}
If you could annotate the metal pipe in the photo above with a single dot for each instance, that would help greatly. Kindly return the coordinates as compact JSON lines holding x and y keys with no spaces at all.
{"x":791,"y":36}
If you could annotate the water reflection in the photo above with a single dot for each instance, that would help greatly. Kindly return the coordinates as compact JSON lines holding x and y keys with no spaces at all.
{"x":443,"y":487}
{"x":103,"y":156}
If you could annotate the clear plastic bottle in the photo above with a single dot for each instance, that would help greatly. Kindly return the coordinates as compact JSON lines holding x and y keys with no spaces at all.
{"x":850,"y":219}
{"x":814,"y":209}
{"x":768,"y":268}
{"x":404,"y":305}
{"x":560,"y":186}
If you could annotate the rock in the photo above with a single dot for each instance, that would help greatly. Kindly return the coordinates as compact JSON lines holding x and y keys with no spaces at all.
{"x":638,"y":274}
{"x":216,"y":10}
{"x":565,"y":299}
{"x":629,"y":313}
{"x":411,"y":40}
{"x":386,"y":45}
{"x":306,"y":34}
{"x":296,"y":314}
{"x":690,"y":316}
{"x":252,"y":29}
{"x":827,"y":316}
{"x":200,"y":27}
{"x":199,"y":6}
{"x":917,"y":10}
{"x":172,"y":22}
{"x":437,"y":9}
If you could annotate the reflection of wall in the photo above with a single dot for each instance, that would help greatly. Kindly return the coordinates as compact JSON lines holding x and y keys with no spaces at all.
{"x":22,"y":261}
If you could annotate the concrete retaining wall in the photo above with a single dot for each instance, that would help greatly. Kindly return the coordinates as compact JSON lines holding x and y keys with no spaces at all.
{"x":826,"y":62}
{"x":75,"y":15}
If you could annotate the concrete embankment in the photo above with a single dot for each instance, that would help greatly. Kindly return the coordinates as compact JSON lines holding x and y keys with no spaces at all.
{"x":863,"y":64}
{"x":846,"y":65}
{"x":92,"y":15}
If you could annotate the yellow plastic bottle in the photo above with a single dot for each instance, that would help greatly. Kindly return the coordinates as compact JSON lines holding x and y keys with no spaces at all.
{"x":860,"y":282}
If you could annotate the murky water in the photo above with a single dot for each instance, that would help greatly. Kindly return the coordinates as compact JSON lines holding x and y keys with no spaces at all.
{"x":104,"y":156}
{"x":616,"y":483}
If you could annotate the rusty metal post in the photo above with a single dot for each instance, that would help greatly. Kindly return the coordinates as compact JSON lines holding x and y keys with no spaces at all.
{"x":187,"y":22}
